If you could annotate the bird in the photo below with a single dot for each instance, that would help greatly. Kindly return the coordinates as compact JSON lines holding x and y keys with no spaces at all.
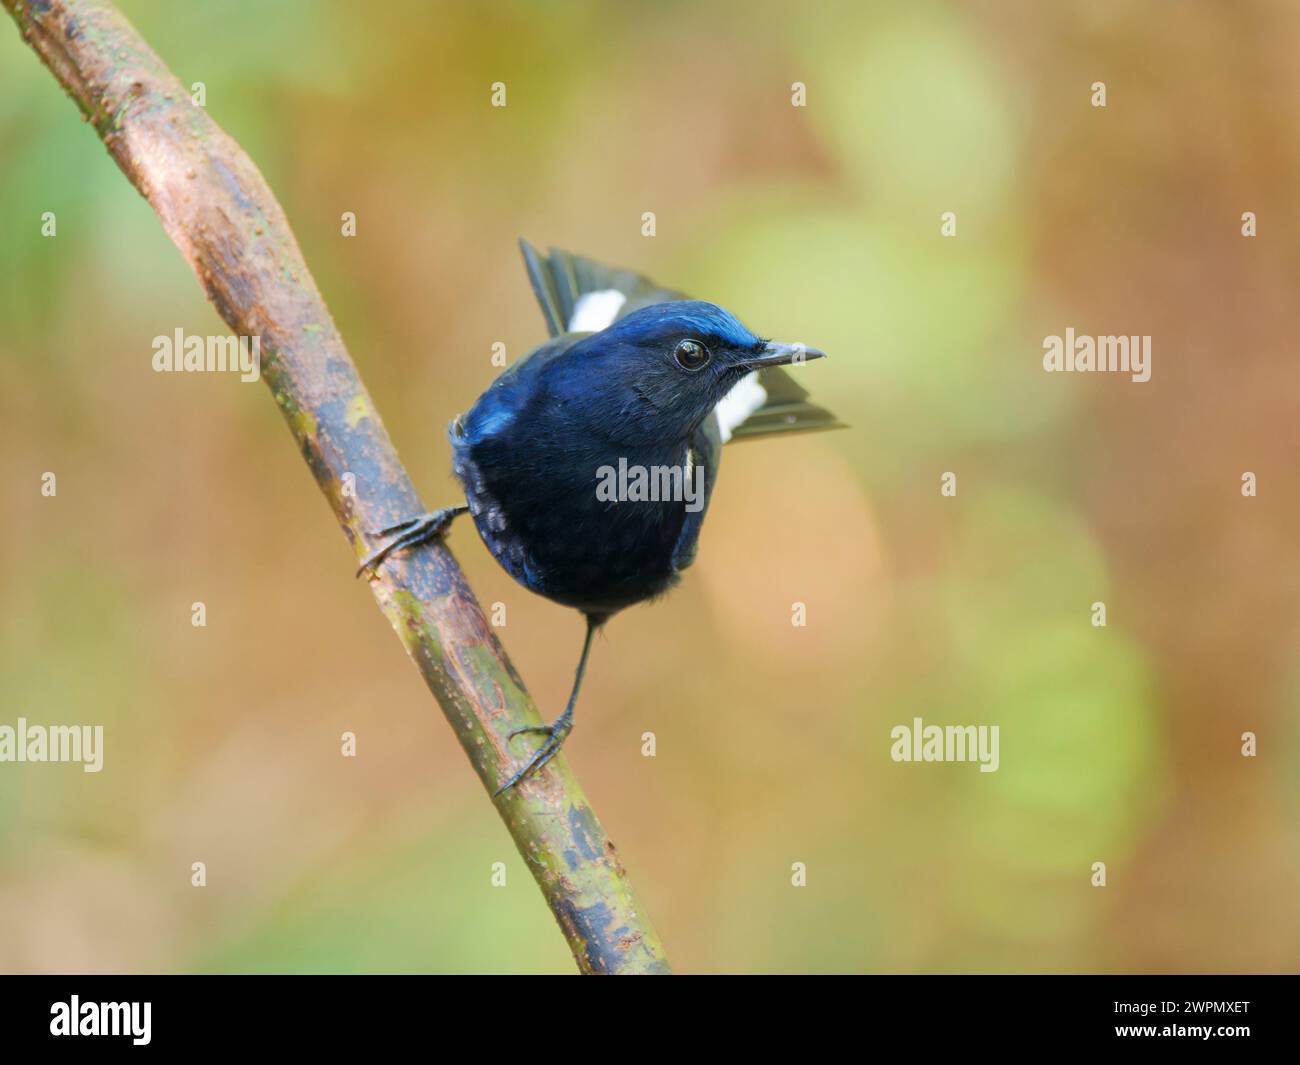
{"x":589,"y":463}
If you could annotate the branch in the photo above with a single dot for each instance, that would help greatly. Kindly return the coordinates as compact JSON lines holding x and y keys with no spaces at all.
{"x":217,"y":208}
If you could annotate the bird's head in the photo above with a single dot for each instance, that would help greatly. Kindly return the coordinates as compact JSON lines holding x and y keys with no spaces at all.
{"x":655,"y":374}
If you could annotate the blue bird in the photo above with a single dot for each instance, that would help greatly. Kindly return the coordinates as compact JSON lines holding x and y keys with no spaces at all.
{"x":588,"y":465}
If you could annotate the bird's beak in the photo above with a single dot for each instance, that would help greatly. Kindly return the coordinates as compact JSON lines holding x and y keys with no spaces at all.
{"x":783,"y":355}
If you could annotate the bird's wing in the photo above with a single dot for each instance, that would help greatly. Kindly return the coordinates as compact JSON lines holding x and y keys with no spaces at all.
{"x":706,"y":448}
{"x":509,"y":393}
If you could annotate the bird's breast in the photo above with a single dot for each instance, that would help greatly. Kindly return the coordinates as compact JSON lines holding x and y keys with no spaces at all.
{"x":583,"y":526}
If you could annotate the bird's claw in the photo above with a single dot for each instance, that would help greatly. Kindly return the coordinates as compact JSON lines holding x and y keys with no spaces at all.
{"x":544,"y":729}
{"x":409,"y":533}
{"x":555,"y":735}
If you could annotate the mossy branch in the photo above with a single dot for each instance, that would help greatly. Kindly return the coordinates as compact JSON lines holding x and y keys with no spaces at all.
{"x":218,"y":209}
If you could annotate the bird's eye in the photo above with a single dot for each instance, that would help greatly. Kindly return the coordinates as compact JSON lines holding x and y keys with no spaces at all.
{"x":691,"y":355}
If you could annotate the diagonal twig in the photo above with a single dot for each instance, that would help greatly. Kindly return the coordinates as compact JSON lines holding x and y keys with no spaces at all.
{"x":219,"y":211}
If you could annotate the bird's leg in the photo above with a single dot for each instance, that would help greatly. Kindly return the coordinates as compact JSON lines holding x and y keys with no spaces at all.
{"x":557,"y":730}
{"x":418,"y":530}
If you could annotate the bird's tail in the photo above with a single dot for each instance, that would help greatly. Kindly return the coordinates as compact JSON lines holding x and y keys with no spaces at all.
{"x":579,"y":295}
{"x":779,"y":405}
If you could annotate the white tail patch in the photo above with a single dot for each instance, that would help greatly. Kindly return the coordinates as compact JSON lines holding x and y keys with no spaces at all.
{"x":595,"y":311}
{"x":738,"y":404}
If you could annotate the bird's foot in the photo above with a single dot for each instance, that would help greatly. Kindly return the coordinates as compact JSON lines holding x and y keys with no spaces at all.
{"x":555,"y":734}
{"x":418,"y":530}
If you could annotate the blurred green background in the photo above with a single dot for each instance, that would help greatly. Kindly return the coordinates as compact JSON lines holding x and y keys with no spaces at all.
{"x":820,"y":224}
